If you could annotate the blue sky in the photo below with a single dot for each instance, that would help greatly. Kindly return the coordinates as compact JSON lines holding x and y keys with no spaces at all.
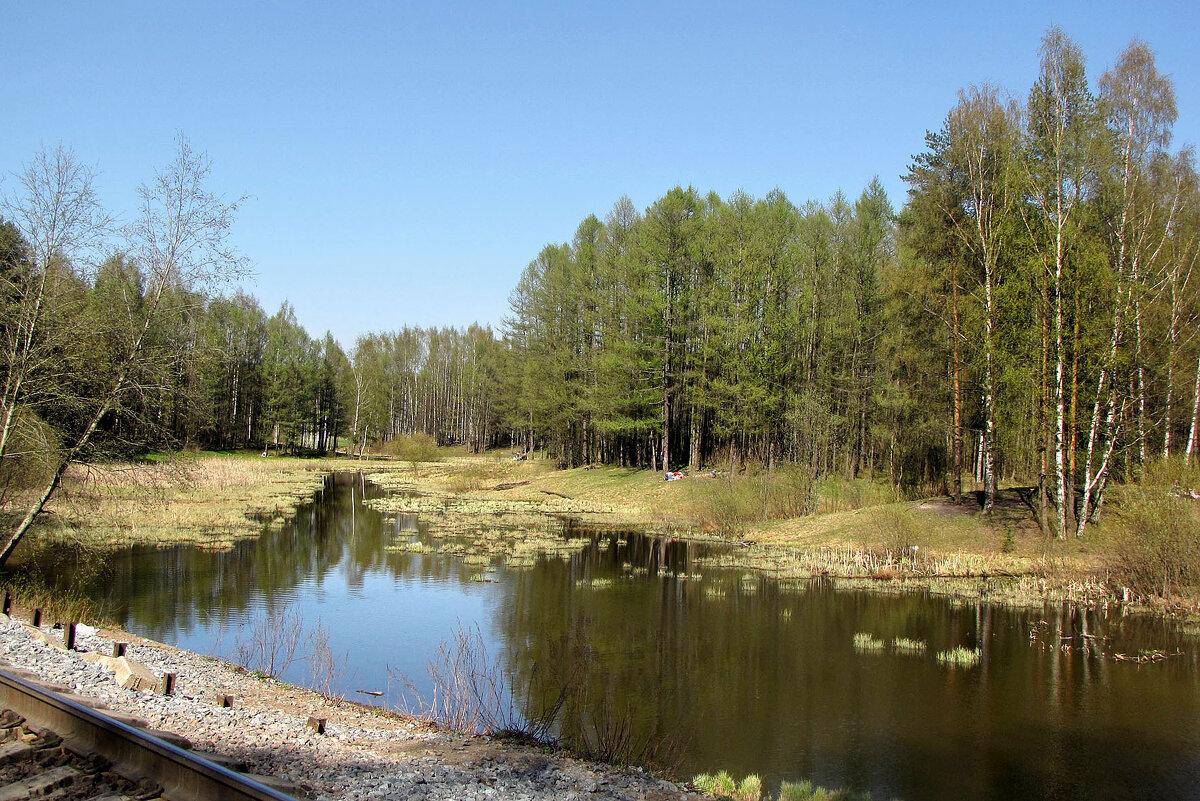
{"x":404,"y":162}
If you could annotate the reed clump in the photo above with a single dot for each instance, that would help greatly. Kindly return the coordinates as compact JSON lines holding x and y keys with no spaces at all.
{"x":865,"y":641}
{"x":959,"y":657}
{"x":724,"y":786}
{"x":903,"y":645}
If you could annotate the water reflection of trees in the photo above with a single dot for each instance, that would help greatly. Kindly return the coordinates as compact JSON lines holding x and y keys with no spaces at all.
{"x":742,"y":670}
{"x":166,"y":591}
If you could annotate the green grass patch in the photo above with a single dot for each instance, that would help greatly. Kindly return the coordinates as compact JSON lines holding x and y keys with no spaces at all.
{"x":903,"y":645}
{"x":865,"y":641}
{"x":959,"y":657}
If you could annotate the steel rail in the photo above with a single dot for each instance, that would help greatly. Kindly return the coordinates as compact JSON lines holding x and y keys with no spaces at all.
{"x":136,"y":754}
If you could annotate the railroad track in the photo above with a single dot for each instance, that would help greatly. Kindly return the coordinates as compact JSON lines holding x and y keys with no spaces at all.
{"x":54,"y":748}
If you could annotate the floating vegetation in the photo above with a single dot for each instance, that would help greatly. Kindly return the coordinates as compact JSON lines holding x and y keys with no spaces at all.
{"x":959,"y":657}
{"x":415,"y":546}
{"x":904,"y":645}
{"x":595,"y":583}
{"x":714,"y":591}
{"x":785,"y":615}
{"x":865,"y":641}
{"x":882,"y":567}
{"x":1147,"y":655}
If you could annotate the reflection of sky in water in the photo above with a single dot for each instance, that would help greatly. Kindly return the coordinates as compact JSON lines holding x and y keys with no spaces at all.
{"x":381,"y":621}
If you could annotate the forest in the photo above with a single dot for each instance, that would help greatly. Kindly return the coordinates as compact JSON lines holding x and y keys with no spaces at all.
{"x":1028,"y":316}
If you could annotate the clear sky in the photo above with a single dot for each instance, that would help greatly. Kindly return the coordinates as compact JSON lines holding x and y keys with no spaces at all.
{"x":405,"y":161}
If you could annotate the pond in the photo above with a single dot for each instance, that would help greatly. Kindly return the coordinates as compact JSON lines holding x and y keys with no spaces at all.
{"x":713,"y":669}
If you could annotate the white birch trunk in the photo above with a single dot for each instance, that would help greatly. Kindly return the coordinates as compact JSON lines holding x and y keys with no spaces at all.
{"x":1191,"y":446}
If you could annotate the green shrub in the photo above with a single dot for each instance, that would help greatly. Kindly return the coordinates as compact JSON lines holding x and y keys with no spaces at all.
{"x":899,"y":530}
{"x":726,"y":504}
{"x":1155,"y":523}
{"x":411,"y":448}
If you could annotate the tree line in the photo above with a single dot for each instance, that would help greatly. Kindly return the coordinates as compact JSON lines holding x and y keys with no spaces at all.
{"x":1029,"y":315}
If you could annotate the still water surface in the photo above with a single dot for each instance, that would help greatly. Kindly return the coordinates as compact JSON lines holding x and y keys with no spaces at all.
{"x":738,"y":672}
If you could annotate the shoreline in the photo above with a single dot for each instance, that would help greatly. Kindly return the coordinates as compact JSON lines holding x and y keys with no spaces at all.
{"x":1002,"y":559}
{"x":363,"y":752}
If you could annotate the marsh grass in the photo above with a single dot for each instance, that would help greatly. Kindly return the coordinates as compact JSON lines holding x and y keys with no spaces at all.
{"x":807,"y":791}
{"x":723,"y":786}
{"x":903,"y":645}
{"x":63,"y":605}
{"x":210,"y":500}
{"x":959,"y":657}
{"x":865,"y":641}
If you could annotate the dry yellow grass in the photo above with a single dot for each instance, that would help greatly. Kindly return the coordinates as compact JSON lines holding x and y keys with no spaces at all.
{"x":209,"y":500}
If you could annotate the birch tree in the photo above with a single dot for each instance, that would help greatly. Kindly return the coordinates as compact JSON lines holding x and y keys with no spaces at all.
{"x":968,"y":174}
{"x":1139,"y":104}
{"x":60,"y":232}
{"x":1061,"y":165}
{"x":179,"y":239}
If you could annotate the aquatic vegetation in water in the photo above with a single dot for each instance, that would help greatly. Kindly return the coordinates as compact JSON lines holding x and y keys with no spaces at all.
{"x":865,"y":641}
{"x":415,"y":546}
{"x":903,"y":645}
{"x":959,"y":657}
{"x":724,"y":786}
{"x":807,"y":791}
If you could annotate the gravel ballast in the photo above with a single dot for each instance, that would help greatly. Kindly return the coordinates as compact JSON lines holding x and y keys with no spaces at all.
{"x":363,"y":753}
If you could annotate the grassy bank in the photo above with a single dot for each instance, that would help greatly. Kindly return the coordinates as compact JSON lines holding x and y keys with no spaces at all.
{"x":205,"y":499}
